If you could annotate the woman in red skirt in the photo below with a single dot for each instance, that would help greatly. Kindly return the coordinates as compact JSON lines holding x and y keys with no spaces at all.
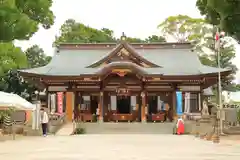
{"x":180,"y":126}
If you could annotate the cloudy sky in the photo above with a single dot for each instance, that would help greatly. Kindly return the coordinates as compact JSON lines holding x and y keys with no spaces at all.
{"x":137,"y":18}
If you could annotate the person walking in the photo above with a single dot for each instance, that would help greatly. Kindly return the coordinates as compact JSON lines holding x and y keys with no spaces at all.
{"x":44,"y":121}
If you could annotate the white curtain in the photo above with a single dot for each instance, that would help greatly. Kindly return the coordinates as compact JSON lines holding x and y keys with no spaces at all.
{"x":113,"y":102}
{"x":53,"y":103}
{"x":49,"y":102}
{"x":159,"y":103}
{"x":199,"y":102}
{"x":86,"y":98}
{"x":187,"y":102}
{"x":86,"y":102}
{"x":133,"y":102}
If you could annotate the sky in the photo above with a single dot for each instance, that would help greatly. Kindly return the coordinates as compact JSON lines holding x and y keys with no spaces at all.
{"x":136,"y":18}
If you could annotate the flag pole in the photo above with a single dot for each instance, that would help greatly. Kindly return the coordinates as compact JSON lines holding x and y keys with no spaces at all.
{"x":219,"y":83}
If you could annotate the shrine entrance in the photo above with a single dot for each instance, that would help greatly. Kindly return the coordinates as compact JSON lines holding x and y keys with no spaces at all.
{"x":124,"y":104}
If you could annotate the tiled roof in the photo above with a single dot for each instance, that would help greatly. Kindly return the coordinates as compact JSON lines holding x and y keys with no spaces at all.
{"x":173,"y":62}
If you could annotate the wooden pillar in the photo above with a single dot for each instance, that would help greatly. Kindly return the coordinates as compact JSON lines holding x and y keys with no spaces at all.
{"x":69,"y":105}
{"x":136,"y":111}
{"x":143,"y":107}
{"x":200,"y":101}
{"x":47,"y":100}
{"x":100,"y":107}
{"x":174,"y":104}
{"x":75,"y":105}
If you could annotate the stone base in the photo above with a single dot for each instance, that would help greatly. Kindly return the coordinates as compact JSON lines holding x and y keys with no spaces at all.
{"x":208,"y":137}
{"x":197,"y":134}
{"x":215,"y":138}
{"x":100,"y":120}
{"x":205,"y":119}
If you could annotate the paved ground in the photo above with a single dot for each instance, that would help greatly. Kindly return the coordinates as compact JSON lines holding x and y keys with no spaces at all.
{"x":117,"y":147}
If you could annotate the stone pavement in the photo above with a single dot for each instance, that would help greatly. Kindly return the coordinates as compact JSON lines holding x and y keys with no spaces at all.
{"x":117,"y":147}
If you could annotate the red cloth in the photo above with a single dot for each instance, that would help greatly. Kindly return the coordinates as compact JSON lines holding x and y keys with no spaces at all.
{"x":180,"y":129}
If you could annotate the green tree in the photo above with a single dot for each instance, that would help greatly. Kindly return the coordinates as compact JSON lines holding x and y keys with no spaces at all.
{"x":183,"y":28}
{"x":186,"y":29}
{"x":74,"y":32}
{"x":155,"y":38}
{"x":134,"y":40}
{"x":227,"y":54}
{"x":11,"y":58}
{"x":223,"y":13}
{"x":36,"y":57}
{"x":19,"y":19}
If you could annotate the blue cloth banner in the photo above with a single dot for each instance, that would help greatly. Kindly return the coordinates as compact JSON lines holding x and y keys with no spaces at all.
{"x":162,"y":106}
{"x":179,"y":103}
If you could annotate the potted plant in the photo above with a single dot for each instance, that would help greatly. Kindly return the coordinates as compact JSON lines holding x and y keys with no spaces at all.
{"x":94,"y":118}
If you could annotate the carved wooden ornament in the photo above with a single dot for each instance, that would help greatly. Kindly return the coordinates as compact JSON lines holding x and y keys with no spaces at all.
{"x":121,"y":72}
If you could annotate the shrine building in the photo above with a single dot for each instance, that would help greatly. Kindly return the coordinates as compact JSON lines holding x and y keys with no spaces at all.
{"x":122,"y":81}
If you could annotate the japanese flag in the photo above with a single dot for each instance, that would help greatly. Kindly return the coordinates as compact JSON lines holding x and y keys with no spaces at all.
{"x":217,"y":41}
{"x":218,"y":37}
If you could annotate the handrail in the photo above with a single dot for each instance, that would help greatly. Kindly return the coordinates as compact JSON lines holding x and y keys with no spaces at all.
{"x":55,"y":119}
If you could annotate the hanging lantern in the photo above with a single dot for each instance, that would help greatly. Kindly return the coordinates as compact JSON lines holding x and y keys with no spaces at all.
{"x":142,"y":94}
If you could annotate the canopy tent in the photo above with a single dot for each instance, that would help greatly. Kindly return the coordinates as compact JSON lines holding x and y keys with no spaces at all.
{"x":9,"y":100}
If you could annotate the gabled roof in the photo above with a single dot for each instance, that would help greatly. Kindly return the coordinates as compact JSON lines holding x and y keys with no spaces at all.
{"x":171,"y":61}
{"x":129,"y":48}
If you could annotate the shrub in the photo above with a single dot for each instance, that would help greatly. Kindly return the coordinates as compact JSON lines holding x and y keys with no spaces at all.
{"x":4,"y":114}
{"x":79,"y":129}
{"x":238,"y":115}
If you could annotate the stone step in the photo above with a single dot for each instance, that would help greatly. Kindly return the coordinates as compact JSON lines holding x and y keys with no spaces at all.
{"x":128,"y":128}
{"x":65,"y":130}
{"x":232,"y":131}
{"x":235,"y":128}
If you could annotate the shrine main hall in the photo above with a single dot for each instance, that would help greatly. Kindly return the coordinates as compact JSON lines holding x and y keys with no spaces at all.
{"x":135,"y":82}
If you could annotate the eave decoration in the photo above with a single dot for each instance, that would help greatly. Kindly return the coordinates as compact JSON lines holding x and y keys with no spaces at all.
{"x":121,"y":72}
{"x":122,"y":91}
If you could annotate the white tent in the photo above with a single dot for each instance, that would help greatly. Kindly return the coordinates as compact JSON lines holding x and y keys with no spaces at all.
{"x":14,"y":101}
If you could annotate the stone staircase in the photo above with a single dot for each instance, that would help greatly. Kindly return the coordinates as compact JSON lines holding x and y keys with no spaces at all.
{"x":128,"y":128}
{"x":65,"y":130}
{"x":232,"y":130}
